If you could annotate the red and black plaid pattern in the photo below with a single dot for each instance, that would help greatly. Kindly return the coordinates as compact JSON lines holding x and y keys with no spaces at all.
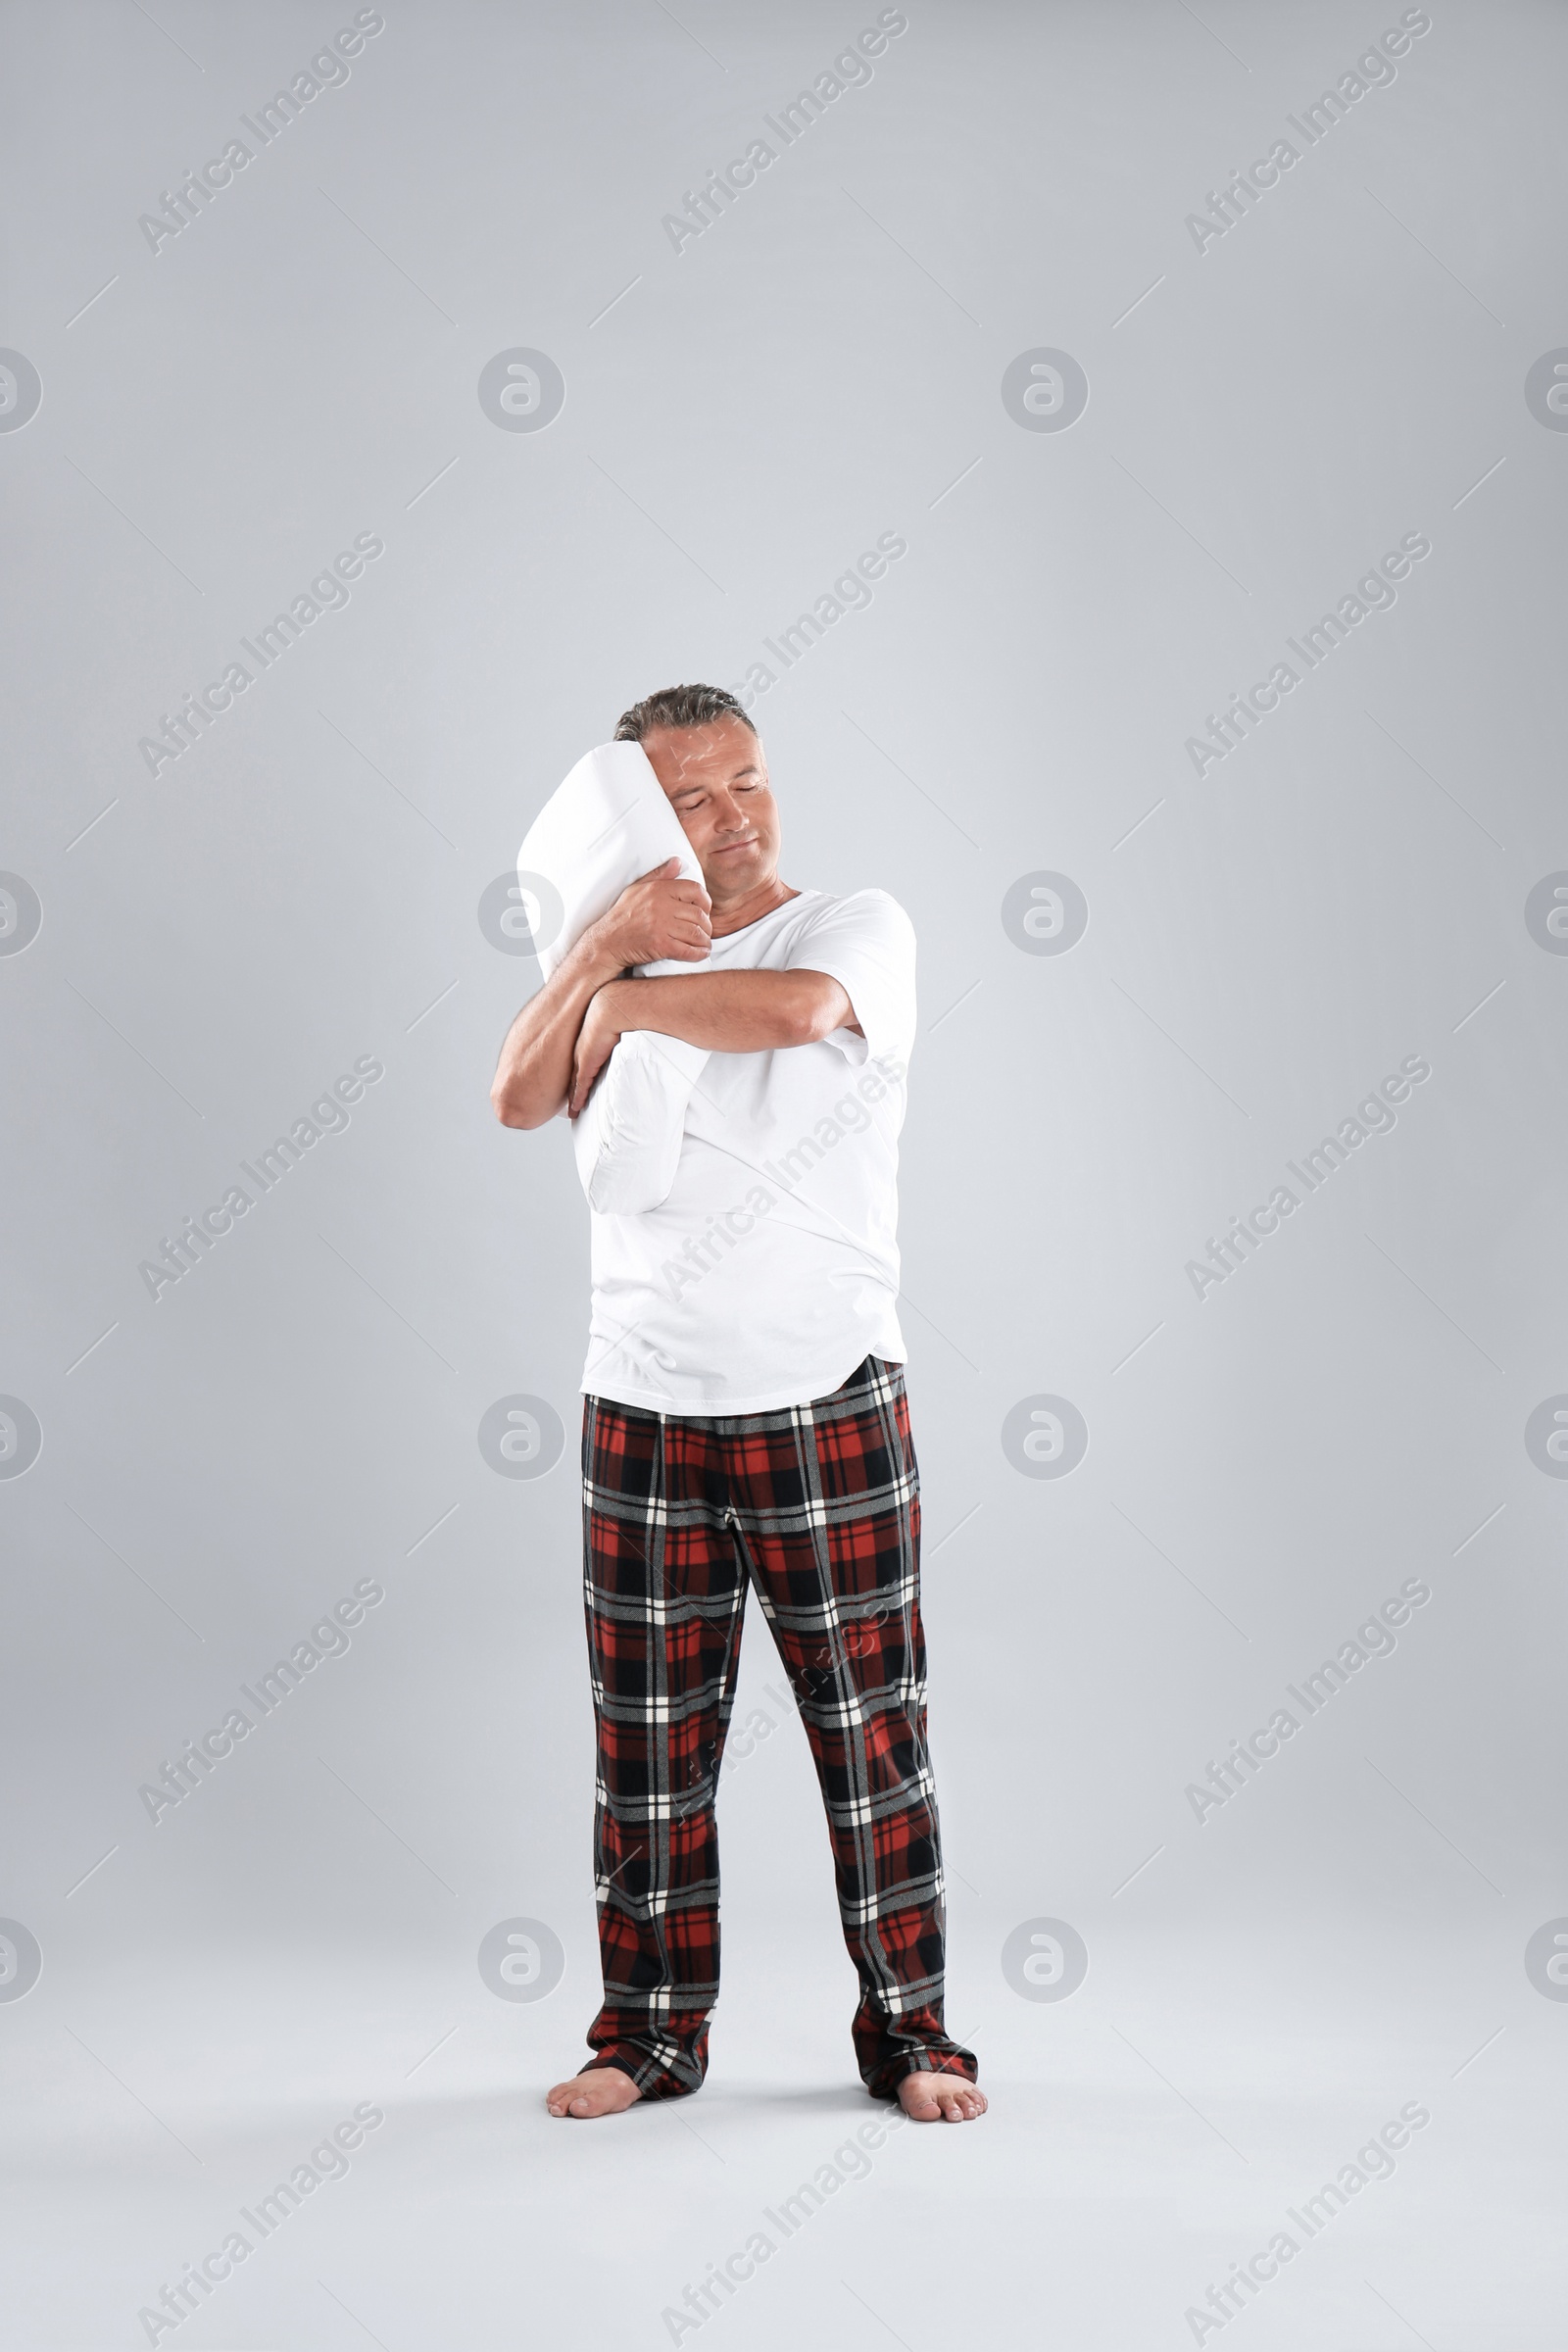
{"x":817,"y":1507}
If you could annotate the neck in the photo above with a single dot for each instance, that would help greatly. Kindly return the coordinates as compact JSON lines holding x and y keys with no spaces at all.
{"x":760,"y":900}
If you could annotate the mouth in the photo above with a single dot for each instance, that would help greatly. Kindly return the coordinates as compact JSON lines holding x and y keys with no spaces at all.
{"x":730,"y":847}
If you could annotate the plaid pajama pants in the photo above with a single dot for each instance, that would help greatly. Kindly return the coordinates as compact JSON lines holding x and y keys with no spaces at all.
{"x":816,"y":1505}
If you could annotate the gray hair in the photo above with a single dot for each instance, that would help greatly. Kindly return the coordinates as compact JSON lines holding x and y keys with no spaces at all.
{"x":678,"y":706}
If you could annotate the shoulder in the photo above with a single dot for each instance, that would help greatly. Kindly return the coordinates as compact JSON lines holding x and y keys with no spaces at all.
{"x":863,"y":914}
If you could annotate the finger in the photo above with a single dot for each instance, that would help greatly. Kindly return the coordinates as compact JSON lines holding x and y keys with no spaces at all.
{"x":588,"y":1070}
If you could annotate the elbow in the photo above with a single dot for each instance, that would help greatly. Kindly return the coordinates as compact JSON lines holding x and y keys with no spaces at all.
{"x":508,"y":1109}
{"x":818,"y":1014}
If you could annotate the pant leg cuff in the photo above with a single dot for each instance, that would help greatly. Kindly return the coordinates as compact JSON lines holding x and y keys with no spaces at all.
{"x":653,"y":2079}
{"x":883,"y":2083}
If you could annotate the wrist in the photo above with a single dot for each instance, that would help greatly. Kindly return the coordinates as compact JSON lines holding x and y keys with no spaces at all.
{"x":613,"y":1002}
{"x":598,"y":955}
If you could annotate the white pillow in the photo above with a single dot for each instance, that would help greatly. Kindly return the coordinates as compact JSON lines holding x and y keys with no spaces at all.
{"x":606,"y":825}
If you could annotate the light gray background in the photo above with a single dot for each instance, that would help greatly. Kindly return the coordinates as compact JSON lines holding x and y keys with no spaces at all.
{"x":300,"y":888}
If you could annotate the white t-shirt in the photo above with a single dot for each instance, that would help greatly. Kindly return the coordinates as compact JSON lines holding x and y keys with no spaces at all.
{"x":771,"y":1267}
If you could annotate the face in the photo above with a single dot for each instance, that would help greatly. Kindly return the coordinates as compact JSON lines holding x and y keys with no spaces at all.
{"x":715,"y":778}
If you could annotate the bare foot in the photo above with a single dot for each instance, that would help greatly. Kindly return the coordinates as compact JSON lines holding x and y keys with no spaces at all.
{"x":601,"y":2091}
{"x":928,"y":2098}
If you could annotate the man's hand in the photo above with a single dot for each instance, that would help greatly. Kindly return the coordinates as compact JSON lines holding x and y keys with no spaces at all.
{"x":659,"y":915}
{"x":597,"y":1040}
{"x":655,"y":918}
{"x":562,"y":1038}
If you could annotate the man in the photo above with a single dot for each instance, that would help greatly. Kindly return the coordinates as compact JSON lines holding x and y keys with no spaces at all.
{"x":745,"y":1419}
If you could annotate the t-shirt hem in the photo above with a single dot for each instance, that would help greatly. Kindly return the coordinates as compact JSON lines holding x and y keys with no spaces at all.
{"x":645,"y":1401}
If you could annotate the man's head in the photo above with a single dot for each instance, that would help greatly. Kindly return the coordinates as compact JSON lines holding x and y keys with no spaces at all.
{"x":708,"y":758}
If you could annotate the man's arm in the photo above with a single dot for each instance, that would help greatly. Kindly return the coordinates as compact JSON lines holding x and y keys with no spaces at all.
{"x":723,"y":1013}
{"x":657,"y":916}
